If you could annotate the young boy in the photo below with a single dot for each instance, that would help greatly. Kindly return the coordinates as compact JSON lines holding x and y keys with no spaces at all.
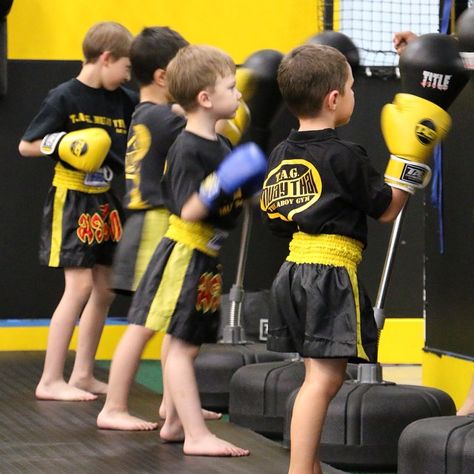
{"x":83,"y":124}
{"x":180,"y":290}
{"x":319,"y":189}
{"x":155,"y":126}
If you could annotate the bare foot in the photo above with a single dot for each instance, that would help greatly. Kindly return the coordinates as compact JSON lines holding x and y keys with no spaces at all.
{"x":62,"y":391}
{"x":91,"y":385}
{"x":172,"y":432}
{"x":466,"y":409}
{"x":212,"y":446}
{"x":207,"y":414}
{"x":108,"y":420}
{"x":211,"y":415}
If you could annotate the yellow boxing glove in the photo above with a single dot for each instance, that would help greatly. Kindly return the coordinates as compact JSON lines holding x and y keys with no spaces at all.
{"x":411,"y":127}
{"x":246,"y":82}
{"x":85,"y":150}
{"x":234,"y":128}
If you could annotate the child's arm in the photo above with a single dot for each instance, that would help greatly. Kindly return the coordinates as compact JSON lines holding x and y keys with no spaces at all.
{"x":244,"y":164}
{"x":194,"y":209}
{"x":30,"y":149}
{"x":399,"y":199}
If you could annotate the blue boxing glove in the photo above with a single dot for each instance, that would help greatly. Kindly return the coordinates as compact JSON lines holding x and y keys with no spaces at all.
{"x":244,"y":164}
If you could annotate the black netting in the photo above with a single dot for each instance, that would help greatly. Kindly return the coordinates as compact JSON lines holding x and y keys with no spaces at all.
{"x":371,"y":24}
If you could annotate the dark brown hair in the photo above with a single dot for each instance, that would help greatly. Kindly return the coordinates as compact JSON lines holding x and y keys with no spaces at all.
{"x":307,"y":74}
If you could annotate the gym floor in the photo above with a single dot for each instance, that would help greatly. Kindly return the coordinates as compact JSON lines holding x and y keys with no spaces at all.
{"x":61,"y":437}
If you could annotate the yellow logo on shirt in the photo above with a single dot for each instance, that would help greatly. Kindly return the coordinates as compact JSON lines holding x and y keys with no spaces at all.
{"x":290,"y":188}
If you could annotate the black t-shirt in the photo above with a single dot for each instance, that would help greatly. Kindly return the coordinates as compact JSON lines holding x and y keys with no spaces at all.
{"x":319,"y":184}
{"x":74,"y":106}
{"x":153,"y":130}
{"x":190,"y":159}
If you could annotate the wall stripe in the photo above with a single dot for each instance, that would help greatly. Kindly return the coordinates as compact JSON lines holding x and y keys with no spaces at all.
{"x":28,"y":335}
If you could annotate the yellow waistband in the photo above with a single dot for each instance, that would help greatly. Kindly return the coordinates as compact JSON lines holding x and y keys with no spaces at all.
{"x":325,"y":249}
{"x":196,"y":235}
{"x":74,"y":180}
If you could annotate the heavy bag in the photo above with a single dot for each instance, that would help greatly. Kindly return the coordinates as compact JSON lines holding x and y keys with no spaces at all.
{"x":341,"y":42}
{"x":431,"y":68}
{"x":263,"y":97}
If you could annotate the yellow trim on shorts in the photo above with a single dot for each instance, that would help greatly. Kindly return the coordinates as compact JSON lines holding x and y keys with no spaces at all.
{"x":155,"y":224}
{"x":74,"y":180}
{"x":166,"y":297}
{"x":57,"y":226}
{"x":193,"y":234}
{"x":337,"y":251}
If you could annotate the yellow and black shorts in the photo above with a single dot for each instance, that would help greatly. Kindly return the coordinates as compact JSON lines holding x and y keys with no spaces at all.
{"x":180,"y":291}
{"x":81,"y":224}
{"x":319,"y":308}
{"x":141,"y":235}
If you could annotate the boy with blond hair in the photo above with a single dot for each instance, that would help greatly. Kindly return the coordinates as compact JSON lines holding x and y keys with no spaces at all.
{"x":204,"y":187}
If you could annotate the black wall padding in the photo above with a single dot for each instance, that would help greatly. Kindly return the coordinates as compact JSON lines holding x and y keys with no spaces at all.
{"x":3,"y":57}
{"x":450,"y":277}
{"x":30,"y":291}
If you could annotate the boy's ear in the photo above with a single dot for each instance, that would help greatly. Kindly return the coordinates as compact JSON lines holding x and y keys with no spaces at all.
{"x":106,"y":57}
{"x":159,"y":76}
{"x":332,"y":99}
{"x":204,"y":99}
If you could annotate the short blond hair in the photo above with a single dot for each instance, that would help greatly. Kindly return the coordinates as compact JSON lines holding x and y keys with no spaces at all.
{"x":194,"y":69}
{"x":106,"y":36}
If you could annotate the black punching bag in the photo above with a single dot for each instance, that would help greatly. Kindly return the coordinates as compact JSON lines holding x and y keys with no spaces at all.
{"x":264,"y":98}
{"x":341,"y":42}
{"x":431,"y":68}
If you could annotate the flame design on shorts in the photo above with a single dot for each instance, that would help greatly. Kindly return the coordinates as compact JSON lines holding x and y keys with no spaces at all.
{"x":209,"y":292}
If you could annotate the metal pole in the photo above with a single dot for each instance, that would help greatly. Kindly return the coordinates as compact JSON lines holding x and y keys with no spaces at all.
{"x":372,"y":373}
{"x":233,"y":333}
{"x":387,"y":269}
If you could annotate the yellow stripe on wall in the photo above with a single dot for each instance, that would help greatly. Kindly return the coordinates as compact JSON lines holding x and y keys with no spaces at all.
{"x":35,"y":338}
{"x":54,"y":29}
{"x":448,"y":373}
{"x":401,"y":342}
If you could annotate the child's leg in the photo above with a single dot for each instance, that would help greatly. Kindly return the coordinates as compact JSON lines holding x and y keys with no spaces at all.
{"x":323,"y":379}
{"x":468,"y":405}
{"x":208,"y":415}
{"x":184,"y":396}
{"x":91,"y":325}
{"x":114,"y":414}
{"x":52,"y":386}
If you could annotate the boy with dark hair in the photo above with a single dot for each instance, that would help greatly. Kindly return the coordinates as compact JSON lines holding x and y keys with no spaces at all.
{"x":83,"y":124}
{"x":320,"y":189}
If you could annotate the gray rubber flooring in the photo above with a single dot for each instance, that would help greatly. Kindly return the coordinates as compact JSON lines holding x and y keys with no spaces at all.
{"x":61,"y":437}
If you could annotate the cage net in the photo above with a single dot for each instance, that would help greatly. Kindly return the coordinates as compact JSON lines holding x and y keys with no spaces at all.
{"x":371,"y":24}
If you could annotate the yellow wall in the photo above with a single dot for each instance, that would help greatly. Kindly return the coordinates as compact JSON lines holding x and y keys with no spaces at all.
{"x":451,"y":374}
{"x":401,"y":341}
{"x":53,"y":29}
